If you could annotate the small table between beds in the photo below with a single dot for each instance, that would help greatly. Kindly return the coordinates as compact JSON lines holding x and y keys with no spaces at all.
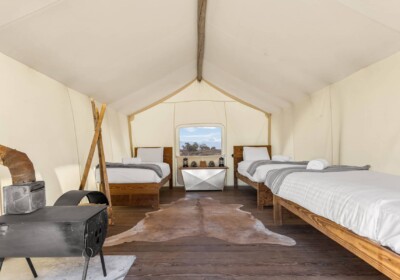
{"x":204,"y":178}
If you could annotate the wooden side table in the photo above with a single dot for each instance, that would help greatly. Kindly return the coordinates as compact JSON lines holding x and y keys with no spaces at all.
{"x":204,"y":178}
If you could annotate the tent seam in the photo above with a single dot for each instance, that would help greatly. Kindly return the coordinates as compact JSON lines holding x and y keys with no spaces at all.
{"x":32,"y":13}
{"x":76,"y":136}
{"x":331,"y":120}
{"x":369,"y":17}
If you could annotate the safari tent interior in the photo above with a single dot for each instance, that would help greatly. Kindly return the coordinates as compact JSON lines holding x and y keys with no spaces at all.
{"x":199,"y":139}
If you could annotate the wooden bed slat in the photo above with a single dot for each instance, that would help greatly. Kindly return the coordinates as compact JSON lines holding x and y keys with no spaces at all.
{"x":381,"y":258}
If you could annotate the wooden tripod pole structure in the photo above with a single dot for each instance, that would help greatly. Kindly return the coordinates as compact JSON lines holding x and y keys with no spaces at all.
{"x":98,"y":141}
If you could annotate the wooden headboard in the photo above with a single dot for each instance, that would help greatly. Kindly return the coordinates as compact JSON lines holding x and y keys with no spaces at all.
{"x":238,"y":154}
{"x":167,"y":155}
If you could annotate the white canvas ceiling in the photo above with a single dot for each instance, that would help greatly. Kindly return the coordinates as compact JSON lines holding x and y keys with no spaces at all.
{"x":131,"y":53}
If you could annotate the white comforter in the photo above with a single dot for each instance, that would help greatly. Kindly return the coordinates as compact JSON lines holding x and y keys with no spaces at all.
{"x":261,"y":171}
{"x":133,"y":175}
{"x":366,"y":202}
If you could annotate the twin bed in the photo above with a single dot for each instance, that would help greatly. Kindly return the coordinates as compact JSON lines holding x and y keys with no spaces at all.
{"x":131,"y":186}
{"x":358,"y":209}
{"x":243,"y":163}
{"x":264,"y":195}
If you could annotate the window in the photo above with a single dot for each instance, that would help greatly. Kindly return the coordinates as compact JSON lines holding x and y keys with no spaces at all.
{"x":200,"y":140}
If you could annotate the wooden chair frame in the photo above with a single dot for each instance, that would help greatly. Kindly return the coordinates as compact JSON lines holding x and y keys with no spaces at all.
{"x":142,"y":194}
{"x":381,"y":258}
{"x":264,"y":194}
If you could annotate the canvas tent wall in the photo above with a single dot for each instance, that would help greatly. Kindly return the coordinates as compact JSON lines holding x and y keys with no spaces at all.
{"x":53,"y":124}
{"x":273,"y":54}
{"x":354,"y":121}
{"x":200,"y":103}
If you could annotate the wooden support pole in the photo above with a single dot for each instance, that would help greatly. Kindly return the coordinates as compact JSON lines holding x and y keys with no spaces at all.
{"x":95,"y":114}
{"x":130,"y":120}
{"x":92,"y":147}
{"x":201,"y":30}
{"x":269,"y":116}
{"x":104,"y":185}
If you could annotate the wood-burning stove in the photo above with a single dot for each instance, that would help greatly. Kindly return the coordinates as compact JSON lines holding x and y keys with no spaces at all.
{"x":55,"y":231}
{"x":64,"y":230}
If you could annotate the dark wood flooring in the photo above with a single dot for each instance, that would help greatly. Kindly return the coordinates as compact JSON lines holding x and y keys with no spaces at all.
{"x":314,"y":257}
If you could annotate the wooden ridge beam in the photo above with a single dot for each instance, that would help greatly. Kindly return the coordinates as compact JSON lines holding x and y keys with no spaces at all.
{"x":201,"y":30}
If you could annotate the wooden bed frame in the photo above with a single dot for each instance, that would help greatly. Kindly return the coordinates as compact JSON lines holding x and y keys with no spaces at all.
{"x":381,"y":258}
{"x":264,"y":194}
{"x":142,"y":194}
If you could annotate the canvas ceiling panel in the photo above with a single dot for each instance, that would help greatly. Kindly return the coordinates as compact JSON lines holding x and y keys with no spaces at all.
{"x":200,"y":112}
{"x":288,"y":49}
{"x":241,"y":90}
{"x":154,"y":127}
{"x":136,"y":101}
{"x":236,"y":58}
{"x":37,"y":119}
{"x":368,"y":109}
{"x":108,"y":51}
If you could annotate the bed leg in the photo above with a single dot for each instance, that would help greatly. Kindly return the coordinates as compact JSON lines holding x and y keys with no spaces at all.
{"x":156,"y":203}
{"x":268,"y":198}
{"x":235,"y":181}
{"x":260,"y":197}
{"x":278,"y":221}
{"x":171,"y":183}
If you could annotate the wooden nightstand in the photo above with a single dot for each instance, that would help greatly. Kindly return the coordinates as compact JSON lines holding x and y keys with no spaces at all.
{"x":204,"y":178}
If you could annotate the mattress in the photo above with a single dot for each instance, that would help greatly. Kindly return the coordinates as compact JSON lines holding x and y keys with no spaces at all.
{"x":132,"y":175}
{"x":261,"y":172}
{"x":365,"y":202}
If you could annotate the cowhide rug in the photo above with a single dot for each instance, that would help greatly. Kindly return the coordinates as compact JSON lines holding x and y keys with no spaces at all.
{"x":200,"y":217}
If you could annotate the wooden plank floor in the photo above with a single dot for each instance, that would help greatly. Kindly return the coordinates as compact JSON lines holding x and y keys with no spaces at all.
{"x":314,"y":257}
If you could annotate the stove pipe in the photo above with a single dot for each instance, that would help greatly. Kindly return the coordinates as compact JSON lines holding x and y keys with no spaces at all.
{"x":25,"y":195}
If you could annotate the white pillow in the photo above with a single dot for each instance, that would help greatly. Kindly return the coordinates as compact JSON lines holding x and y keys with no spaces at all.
{"x":129,"y":160}
{"x":318,"y":164}
{"x":151,"y":154}
{"x":255,"y":153}
{"x":281,"y":158}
